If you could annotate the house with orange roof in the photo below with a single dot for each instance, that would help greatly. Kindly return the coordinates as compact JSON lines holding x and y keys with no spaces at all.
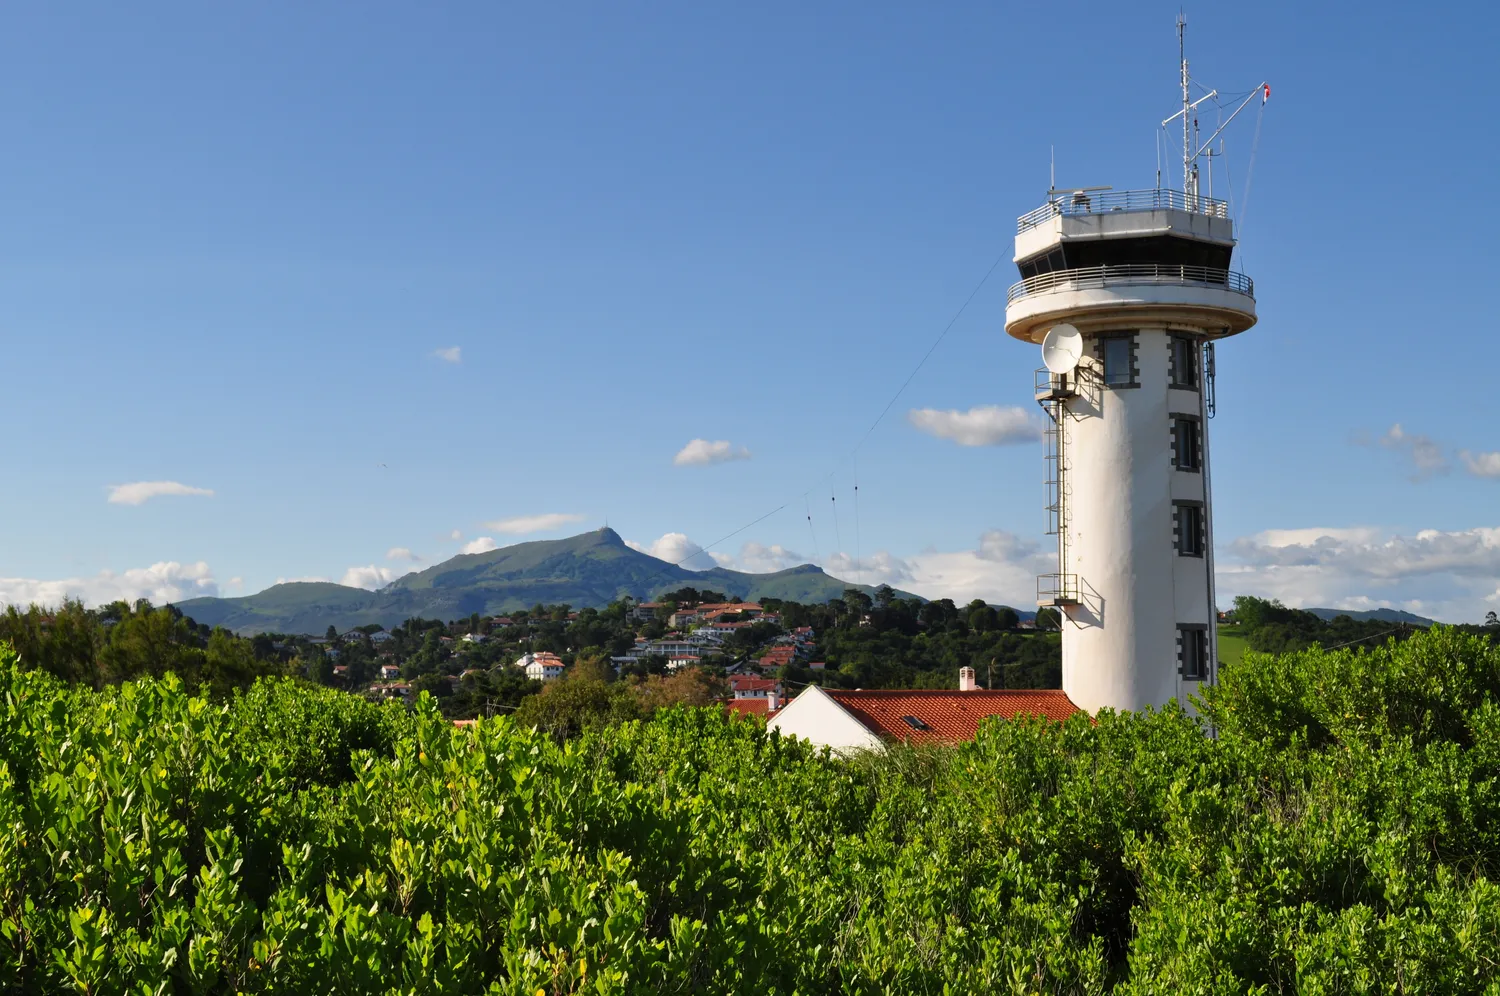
{"x":853,"y":720}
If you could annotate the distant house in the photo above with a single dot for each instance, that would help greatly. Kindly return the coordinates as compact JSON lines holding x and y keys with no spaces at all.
{"x":542,"y":666}
{"x":748,"y":687}
{"x":475,"y":638}
{"x":850,"y":721}
{"x":389,"y":672}
{"x":392,"y":690}
{"x":381,"y":637}
{"x":817,"y":665}
{"x":683,"y":660}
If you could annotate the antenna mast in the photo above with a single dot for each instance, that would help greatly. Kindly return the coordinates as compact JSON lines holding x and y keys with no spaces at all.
{"x":1189,"y":180}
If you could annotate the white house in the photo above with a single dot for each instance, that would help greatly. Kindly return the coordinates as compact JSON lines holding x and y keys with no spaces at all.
{"x":389,"y":672}
{"x":849,"y":721}
{"x":750,"y":687}
{"x":541,"y":666}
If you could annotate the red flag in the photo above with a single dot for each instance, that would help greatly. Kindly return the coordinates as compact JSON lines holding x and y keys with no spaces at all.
{"x":1266,"y":95}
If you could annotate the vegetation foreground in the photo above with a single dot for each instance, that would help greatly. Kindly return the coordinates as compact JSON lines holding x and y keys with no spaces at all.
{"x":1340,"y":834}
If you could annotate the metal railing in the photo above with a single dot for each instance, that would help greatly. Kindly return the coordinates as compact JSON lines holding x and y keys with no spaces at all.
{"x":1056,"y":589}
{"x":1127,"y":274}
{"x":1105,"y":201}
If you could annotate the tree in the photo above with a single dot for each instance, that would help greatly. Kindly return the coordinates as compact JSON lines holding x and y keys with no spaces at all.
{"x":332,"y":634}
{"x":1491,"y":619}
{"x":690,"y":686}
{"x":570,"y":705}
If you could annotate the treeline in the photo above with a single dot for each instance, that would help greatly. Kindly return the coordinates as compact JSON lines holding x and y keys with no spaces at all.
{"x":1270,"y":627}
{"x":122,"y":641}
{"x":1339,"y":832}
{"x":890,"y":642}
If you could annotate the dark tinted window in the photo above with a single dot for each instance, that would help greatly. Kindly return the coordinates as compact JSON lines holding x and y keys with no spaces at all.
{"x":1117,"y":362}
{"x":1184,"y":363}
{"x":1189,"y":530}
{"x":1186,"y":444}
{"x":1192,"y":653}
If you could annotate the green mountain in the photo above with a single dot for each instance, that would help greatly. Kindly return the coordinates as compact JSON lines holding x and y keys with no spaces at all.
{"x":590,"y":570}
{"x":1382,"y":615}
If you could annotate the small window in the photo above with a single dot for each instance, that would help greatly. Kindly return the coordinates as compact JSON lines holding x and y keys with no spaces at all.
{"x":1118,"y":355}
{"x":1188,"y":523}
{"x":1187,"y":443}
{"x":915,"y":723}
{"x":1184,"y":363}
{"x":1192,"y":652}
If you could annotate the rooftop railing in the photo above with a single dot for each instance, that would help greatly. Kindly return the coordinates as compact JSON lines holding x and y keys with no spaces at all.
{"x":1105,"y":201}
{"x":1128,"y":274}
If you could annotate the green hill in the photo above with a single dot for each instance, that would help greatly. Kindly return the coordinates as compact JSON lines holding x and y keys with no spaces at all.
{"x":590,"y":570}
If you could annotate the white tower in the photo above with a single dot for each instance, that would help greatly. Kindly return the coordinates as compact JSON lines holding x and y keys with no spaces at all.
{"x":1138,"y":286}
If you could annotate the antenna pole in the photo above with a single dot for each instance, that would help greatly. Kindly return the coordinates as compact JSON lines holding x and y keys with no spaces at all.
{"x":1188,"y":186}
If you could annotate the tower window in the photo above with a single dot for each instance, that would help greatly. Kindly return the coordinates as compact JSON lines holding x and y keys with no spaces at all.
{"x":1187,"y":443}
{"x":1117,"y":355}
{"x":1192,"y":651}
{"x":1184,"y":363}
{"x":1187,"y":522}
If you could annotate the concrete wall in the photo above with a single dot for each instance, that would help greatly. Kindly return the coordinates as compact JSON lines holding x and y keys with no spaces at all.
{"x":1120,"y":644}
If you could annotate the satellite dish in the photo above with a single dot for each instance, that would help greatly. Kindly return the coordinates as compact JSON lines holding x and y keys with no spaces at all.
{"x":1062,"y":348}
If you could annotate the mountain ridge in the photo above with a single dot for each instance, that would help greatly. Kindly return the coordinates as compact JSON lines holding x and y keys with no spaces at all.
{"x":588,"y":570}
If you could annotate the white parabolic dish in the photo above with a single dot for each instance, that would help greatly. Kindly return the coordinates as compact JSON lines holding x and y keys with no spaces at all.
{"x":1062,"y":348}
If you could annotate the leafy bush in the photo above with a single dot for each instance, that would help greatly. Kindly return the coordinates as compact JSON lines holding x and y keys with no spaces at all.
{"x":1336,"y":833}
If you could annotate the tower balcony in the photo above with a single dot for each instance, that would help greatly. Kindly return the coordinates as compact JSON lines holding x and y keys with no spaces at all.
{"x":1100,"y":297}
{"x":1111,"y":202}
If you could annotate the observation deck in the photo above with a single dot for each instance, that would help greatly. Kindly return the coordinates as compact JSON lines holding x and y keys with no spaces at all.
{"x":1100,"y":259}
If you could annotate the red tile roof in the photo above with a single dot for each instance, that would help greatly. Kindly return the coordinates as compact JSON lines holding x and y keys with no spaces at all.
{"x":750,"y":707}
{"x":747,"y":684}
{"x":950,"y":716}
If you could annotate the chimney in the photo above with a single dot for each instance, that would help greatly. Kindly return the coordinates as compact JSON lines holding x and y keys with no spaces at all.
{"x":771,"y":701}
{"x":966,"y":682}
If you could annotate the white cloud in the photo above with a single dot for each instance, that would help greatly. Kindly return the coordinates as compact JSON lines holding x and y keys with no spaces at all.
{"x":700,"y":451}
{"x":522,"y":524}
{"x":163,"y":582}
{"x":676,"y":548}
{"x":983,"y":425}
{"x":759,"y":559}
{"x":369,"y":576}
{"x":1425,"y":453}
{"x":1481,"y":464}
{"x":401,"y":553}
{"x":450,"y":354}
{"x":456,"y":535}
{"x":139,"y":492}
{"x":1443,"y":574}
{"x":483,"y":544}
{"x":1002,"y":569}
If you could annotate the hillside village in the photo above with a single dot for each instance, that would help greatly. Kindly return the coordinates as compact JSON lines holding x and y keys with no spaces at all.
{"x":758,"y":653}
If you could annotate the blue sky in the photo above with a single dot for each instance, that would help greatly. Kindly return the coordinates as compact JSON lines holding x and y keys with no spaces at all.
{"x":386,"y":277}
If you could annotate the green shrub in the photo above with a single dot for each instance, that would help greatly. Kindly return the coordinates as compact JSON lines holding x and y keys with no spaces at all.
{"x":1336,"y":833}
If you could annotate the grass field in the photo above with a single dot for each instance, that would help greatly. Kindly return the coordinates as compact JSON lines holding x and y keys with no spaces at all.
{"x":1231,"y":645}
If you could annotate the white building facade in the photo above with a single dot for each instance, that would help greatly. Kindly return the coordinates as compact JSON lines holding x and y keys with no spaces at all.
{"x":1145,"y":278}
